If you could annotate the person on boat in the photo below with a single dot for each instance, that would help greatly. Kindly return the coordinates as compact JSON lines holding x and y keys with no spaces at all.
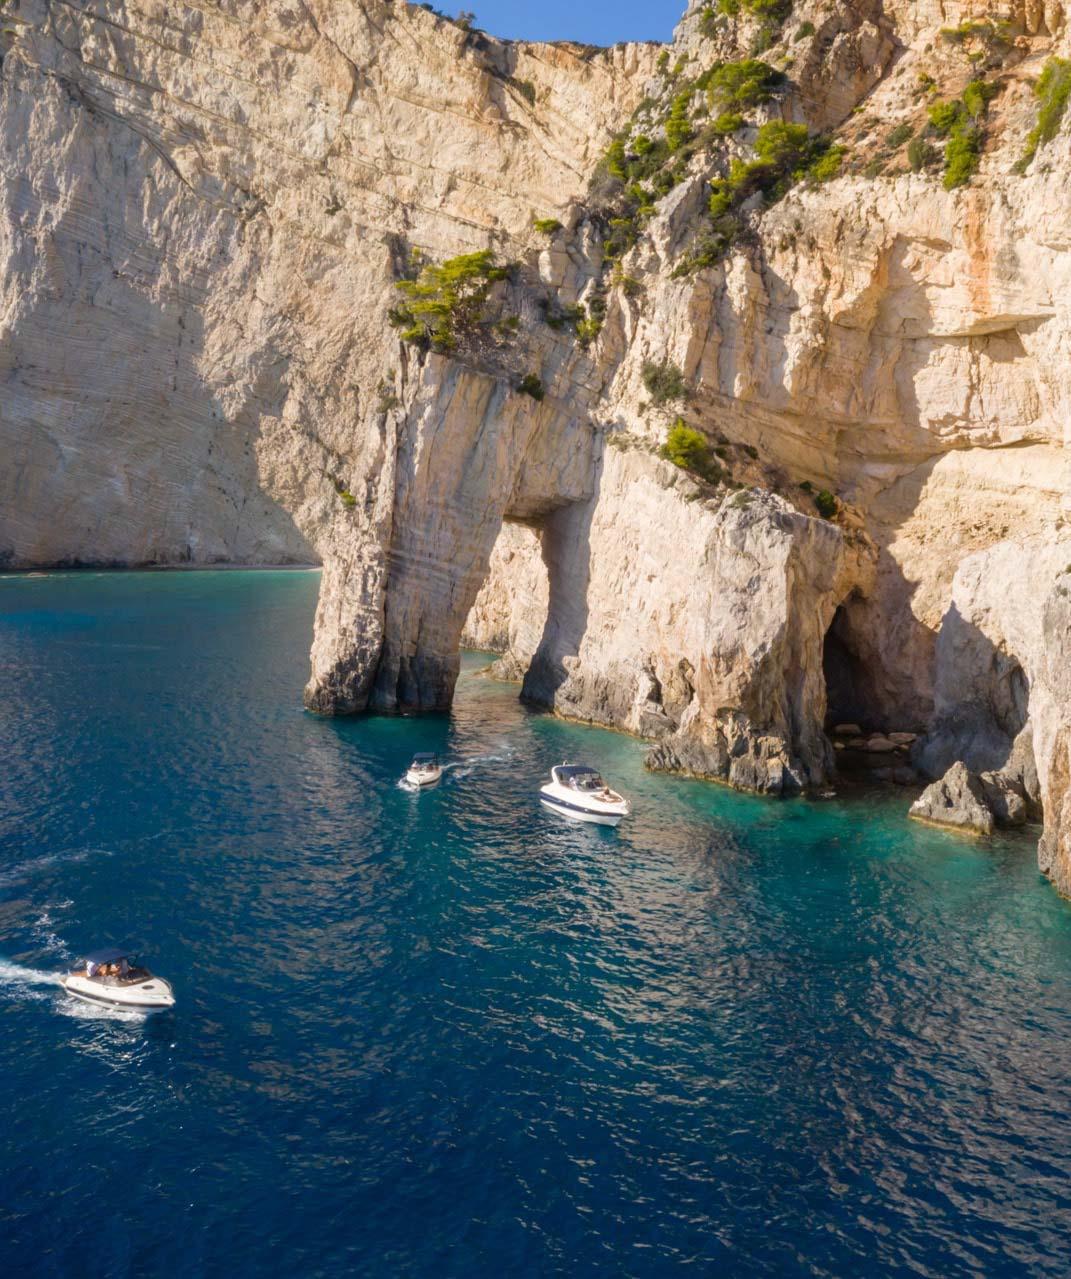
{"x":91,"y":968}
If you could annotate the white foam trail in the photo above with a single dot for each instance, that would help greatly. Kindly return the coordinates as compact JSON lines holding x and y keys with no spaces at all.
{"x":26,"y":981}
{"x":466,"y":767}
{"x":71,"y":1007}
{"x":48,"y":939}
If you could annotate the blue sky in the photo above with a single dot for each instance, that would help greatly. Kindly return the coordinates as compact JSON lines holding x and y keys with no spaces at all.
{"x":589,"y":21}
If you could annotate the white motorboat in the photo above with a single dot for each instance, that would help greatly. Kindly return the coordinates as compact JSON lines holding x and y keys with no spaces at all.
{"x":108,"y":977}
{"x":424,"y":770}
{"x":577,"y":791}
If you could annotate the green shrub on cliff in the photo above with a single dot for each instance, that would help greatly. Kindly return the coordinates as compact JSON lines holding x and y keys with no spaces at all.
{"x":345,"y":496}
{"x":920,"y":155}
{"x":997,"y":33}
{"x":825,"y":503}
{"x":678,"y":125}
{"x":446,"y":300}
{"x":944,"y":115}
{"x":977,"y":97}
{"x":727,"y":124}
{"x":664,"y":381}
{"x":962,"y":153}
{"x":827,"y":165}
{"x":531,"y":385}
{"x":1052,"y":90}
{"x":784,"y":153}
{"x":739,"y":85}
{"x":959,"y":120}
{"x":689,"y":450}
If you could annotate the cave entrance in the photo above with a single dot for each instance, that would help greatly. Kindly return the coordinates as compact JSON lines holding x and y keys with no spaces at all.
{"x":510,"y":612}
{"x":850,"y":696}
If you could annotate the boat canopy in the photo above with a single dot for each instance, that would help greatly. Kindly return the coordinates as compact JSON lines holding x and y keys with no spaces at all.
{"x":108,"y":955}
{"x":425,"y":759}
{"x":569,"y":771}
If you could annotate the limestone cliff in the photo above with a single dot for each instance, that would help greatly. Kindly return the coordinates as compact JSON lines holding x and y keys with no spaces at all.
{"x":207,"y":209}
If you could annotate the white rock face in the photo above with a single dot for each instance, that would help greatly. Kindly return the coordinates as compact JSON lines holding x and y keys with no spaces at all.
{"x":203,"y":212}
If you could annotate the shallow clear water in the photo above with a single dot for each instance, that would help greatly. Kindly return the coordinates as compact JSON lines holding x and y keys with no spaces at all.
{"x":449,"y":1034}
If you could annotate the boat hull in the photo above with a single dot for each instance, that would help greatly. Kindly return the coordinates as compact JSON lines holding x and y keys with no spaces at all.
{"x":153,"y":995}
{"x":605,"y":815}
{"x":424,"y":778}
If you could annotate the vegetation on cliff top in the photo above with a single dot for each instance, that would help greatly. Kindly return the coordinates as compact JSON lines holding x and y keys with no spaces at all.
{"x":770,"y":16}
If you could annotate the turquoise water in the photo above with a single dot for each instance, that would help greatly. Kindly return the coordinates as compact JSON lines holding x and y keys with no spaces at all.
{"x":449,"y":1034}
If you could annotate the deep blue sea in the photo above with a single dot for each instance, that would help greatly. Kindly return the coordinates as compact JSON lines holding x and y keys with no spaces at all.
{"x":449,"y":1034}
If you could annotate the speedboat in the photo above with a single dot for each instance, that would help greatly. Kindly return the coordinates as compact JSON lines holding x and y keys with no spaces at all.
{"x":108,"y":977}
{"x":424,"y":770}
{"x":577,"y":791}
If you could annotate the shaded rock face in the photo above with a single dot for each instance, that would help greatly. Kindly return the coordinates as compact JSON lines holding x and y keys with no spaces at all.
{"x":204,"y":214}
{"x":1003,"y":690}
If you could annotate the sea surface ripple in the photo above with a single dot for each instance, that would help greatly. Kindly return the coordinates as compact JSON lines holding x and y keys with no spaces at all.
{"x":448,"y":1033}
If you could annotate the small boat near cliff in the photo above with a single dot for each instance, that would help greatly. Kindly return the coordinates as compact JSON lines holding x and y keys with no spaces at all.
{"x":579,"y":792}
{"x":108,"y":977}
{"x":425,"y":770}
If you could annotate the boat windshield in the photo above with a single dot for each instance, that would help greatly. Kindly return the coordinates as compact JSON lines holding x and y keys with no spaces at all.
{"x":589,"y":781}
{"x":107,"y":964}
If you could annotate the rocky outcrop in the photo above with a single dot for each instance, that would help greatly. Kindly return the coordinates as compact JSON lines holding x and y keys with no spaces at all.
{"x":726,"y":678}
{"x":205,"y":211}
{"x":956,"y":801}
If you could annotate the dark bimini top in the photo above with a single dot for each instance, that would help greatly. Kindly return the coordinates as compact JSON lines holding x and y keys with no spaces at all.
{"x":109,"y":955}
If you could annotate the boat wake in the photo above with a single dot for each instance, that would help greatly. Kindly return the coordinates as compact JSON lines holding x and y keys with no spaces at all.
{"x":37,"y":985}
{"x":71,"y":1007}
{"x":466,"y":767}
{"x":43,"y":932}
{"x":35,"y":865}
{"x":27,"y":983}
{"x":458,"y":769}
